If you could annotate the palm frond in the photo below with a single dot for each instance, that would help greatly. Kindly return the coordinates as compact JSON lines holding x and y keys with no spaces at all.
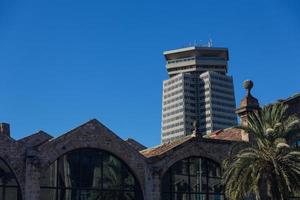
{"x":267,"y":167}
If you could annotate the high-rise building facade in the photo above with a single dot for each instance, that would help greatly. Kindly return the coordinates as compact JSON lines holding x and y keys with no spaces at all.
{"x":198,"y":89}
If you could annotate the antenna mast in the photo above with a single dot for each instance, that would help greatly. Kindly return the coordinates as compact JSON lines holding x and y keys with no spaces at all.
{"x":210,"y":43}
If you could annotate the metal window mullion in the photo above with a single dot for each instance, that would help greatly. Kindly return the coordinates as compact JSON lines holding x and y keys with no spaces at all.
{"x":200,"y":178}
{"x":9,"y":186}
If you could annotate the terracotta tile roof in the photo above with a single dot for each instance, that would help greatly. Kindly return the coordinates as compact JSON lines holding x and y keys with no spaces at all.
{"x":232,"y":134}
{"x":229,"y":134}
{"x":160,"y":149}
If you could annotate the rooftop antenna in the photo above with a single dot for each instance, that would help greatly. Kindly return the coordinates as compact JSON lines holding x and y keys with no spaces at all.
{"x":210,"y":43}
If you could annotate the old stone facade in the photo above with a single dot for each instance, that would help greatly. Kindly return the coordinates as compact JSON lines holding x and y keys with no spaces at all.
{"x":29,"y":158}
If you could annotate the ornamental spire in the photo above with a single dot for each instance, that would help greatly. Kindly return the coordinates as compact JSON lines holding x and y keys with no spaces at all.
{"x":248,"y":103}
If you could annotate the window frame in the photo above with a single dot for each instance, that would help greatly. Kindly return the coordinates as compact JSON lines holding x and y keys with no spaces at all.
{"x":206,"y":194}
{"x":4,"y":187}
{"x":57,"y":189}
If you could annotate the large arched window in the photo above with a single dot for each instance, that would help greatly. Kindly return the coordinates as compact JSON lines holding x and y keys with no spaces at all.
{"x":89,"y":174}
{"x":194,"y":178}
{"x":9,"y":187}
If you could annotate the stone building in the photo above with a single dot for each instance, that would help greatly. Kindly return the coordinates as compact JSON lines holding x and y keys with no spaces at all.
{"x":91,"y":162}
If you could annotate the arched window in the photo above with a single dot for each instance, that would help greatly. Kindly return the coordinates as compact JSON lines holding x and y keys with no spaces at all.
{"x":89,"y":174}
{"x":9,"y":187}
{"x":194,"y":178}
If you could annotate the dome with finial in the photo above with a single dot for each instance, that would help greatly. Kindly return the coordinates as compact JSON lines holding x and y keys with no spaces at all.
{"x":248,"y":103}
{"x":248,"y":84}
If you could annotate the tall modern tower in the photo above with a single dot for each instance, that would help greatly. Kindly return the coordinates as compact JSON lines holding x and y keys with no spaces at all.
{"x":198,"y":89}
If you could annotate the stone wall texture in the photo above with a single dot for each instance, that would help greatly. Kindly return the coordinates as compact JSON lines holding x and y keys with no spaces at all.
{"x":31,"y":156}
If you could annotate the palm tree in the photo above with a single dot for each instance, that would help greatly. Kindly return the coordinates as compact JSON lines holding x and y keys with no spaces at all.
{"x":268,"y":168}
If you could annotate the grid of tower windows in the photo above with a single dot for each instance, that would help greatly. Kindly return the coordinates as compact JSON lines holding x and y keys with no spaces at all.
{"x":193,"y":178}
{"x":9,"y":188}
{"x":172,"y":125}
{"x":171,"y":81}
{"x":173,"y":132}
{"x":173,"y":100}
{"x":216,"y":89}
{"x":173,"y":112}
{"x":86,"y":174}
{"x":175,"y":86}
{"x":173,"y":119}
{"x":165,"y":108}
{"x":224,"y":85}
{"x":173,"y":93}
{"x":179,"y":91}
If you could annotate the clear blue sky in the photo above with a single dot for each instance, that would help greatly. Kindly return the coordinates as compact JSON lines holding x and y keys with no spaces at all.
{"x":64,"y":62}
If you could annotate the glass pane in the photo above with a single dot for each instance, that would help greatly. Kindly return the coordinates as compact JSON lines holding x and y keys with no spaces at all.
{"x":215,"y":185}
{"x":198,"y":183}
{"x":180,"y":178}
{"x":90,"y":169}
{"x":48,"y":178}
{"x":198,"y":197}
{"x":128,"y":196}
{"x":198,"y":166}
{"x":1,"y":193}
{"x":166,"y":196}
{"x":181,"y":167}
{"x":90,"y":195}
{"x":112,"y":172}
{"x":66,"y":194}
{"x":198,"y":172}
{"x":69,"y":170}
{"x":129,"y":182}
{"x":6,"y":175}
{"x":11,"y":193}
{"x":213,"y":169}
{"x":47,"y":194}
{"x":166,"y":182}
{"x":180,"y":196}
{"x":112,"y":195}
{"x":216,"y":197}
{"x":138,"y":194}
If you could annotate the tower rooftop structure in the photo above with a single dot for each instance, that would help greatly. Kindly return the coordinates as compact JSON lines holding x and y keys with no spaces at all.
{"x":198,"y":90}
{"x":196,"y":59}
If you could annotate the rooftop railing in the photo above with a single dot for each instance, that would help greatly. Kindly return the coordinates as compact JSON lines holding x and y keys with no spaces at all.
{"x":194,"y":58}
